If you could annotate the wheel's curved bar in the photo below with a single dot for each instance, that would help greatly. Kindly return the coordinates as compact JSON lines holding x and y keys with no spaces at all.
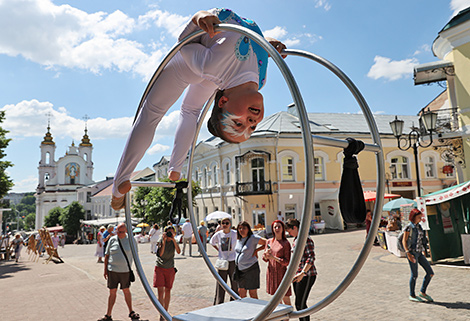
{"x":189,"y":193}
{"x":309,"y":177}
{"x":380,"y":182}
{"x":138,"y":265}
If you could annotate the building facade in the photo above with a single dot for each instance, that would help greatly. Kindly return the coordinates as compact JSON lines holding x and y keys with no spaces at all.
{"x":452,"y":47}
{"x":264,"y":178}
{"x":58,"y":180}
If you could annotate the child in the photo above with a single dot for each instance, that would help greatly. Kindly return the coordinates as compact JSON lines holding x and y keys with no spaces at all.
{"x":225,"y":61}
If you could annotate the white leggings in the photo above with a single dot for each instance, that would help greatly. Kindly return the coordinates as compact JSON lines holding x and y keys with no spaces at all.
{"x":165,"y":92}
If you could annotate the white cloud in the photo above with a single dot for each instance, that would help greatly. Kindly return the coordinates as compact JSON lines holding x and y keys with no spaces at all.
{"x":281,"y":34}
{"x":458,"y":5}
{"x":423,"y":48}
{"x":25,"y":185}
{"x":62,"y":36}
{"x":157,"y":148}
{"x":277,"y":32}
{"x":173,"y":23}
{"x":391,"y":70}
{"x":323,"y":4}
{"x":29,"y":119}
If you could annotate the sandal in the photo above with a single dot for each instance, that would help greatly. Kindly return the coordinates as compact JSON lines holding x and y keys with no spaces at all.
{"x":106,"y":318}
{"x":134,"y":316}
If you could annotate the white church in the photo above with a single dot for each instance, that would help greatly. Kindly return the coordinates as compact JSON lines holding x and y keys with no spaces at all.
{"x":59,"y":180}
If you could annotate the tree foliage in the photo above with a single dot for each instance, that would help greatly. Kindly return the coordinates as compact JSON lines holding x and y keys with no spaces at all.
{"x":5,"y":182}
{"x":14,"y":219}
{"x":153,"y":204}
{"x":53,"y":218}
{"x":30,"y":221}
{"x":71,"y":216}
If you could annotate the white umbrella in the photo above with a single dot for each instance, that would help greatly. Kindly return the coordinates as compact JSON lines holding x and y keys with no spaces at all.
{"x":217,"y":215}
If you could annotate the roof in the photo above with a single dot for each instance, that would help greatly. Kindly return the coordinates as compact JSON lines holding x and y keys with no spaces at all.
{"x":447,"y":194}
{"x":461,"y":17}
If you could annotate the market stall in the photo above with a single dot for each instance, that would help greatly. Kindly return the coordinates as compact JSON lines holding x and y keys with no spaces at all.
{"x":398,"y":212}
{"x":447,"y":214}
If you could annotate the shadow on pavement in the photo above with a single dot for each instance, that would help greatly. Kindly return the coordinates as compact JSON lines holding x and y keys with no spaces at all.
{"x":7,"y":269}
{"x":453,"y":305}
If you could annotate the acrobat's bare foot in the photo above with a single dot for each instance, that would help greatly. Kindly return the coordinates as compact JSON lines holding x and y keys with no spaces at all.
{"x":174,"y":176}
{"x":118,"y":202}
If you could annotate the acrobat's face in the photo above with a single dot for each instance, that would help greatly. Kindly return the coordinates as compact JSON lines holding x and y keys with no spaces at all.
{"x":240,"y":115}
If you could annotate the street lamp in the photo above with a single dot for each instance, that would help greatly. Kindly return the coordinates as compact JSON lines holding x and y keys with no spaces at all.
{"x":429,"y":120}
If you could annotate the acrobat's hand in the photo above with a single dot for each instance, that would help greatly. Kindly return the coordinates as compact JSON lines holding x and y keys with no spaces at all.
{"x":206,"y":21}
{"x":279,"y":46}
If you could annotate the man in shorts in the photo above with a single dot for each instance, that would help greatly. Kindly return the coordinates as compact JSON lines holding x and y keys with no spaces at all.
{"x":116,"y":271}
{"x":165,"y":271}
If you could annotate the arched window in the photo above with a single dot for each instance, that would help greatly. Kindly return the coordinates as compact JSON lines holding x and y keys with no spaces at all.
{"x":429,"y":167}
{"x":204,"y":177}
{"x":85,"y":157}
{"x":399,"y":167}
{"x":287,"y":168}
{"x":214,"y":174}
{"x":48,"y":158}
{"x":319,"y":168}
{"x":227,"y":173}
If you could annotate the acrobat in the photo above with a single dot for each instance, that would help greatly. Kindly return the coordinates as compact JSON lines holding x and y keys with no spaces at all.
{"x":226,"y":62}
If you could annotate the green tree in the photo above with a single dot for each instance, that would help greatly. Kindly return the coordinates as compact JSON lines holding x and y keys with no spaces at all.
{"x":71,"y":216}
{"x":53,"y":218}
{"x":153,"y":204}
{"x":30,"y":221}
{"x":5,"y":182}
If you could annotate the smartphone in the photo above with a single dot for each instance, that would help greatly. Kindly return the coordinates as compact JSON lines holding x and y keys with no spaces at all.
{"x":269,"y":246}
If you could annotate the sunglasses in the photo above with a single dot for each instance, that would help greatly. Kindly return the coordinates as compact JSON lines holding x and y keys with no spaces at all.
{"x":225,"y":223}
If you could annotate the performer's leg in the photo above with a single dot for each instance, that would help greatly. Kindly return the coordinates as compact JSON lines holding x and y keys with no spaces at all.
{"x":194,"y":100}
{"x":166,"y":90}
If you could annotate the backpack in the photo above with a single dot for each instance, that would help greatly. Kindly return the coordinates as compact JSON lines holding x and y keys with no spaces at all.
{"x":400,"y":240}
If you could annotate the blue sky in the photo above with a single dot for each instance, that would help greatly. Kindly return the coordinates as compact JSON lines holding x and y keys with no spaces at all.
{"x":86,"y":57}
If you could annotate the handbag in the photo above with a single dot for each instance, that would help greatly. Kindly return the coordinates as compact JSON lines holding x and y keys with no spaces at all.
{"x":237,"y":274}
{"x":221,"y":264}
{"x":131,"y":273}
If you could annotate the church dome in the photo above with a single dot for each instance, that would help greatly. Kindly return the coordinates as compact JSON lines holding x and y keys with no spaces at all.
{"x":48,"y":140}
{"x":86,"y":140}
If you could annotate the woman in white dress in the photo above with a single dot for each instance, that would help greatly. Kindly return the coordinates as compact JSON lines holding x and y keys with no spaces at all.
{"x":100,"y":245}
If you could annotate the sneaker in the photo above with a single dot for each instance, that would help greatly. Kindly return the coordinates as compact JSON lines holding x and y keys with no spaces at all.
{"x":426,"y":297}
{"x":415,"y":299}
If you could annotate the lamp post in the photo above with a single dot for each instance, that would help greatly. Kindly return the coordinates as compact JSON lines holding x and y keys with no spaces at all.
{"x":413,"y":139}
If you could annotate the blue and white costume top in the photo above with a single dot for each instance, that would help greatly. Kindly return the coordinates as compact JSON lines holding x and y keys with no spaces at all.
{"x":225,"y":61}
{"x":229,"y":58}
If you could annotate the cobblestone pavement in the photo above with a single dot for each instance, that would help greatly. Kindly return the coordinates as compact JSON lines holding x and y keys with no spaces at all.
{"x":77,"y":290}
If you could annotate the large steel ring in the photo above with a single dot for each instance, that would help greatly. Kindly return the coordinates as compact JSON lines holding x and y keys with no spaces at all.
{"x":309,"y":178}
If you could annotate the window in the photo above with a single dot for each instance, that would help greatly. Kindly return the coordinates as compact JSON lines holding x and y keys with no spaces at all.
{"x":204,"y":177}
{"x":290,"y":211}
{"x":206,"y":211}
{"x":317,"y":209}
{"x":227,"y":173}
{"x":214,"y":174}
{"x":429,"y":167}
{"x":237,"y":170}
{"x":399,"y":167}
{"x":48,"y":158}
{"x":287,"y":168}
{"x":257,"y":173}
{"x":319,"y":168}
{"x":88,"y":197}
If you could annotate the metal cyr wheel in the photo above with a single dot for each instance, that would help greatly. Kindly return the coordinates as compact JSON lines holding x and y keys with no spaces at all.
{"x":264,"y":311}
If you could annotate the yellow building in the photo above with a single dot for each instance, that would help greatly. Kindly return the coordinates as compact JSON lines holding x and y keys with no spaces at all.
{"x":452,"y":46}
{"x":263,"y":178}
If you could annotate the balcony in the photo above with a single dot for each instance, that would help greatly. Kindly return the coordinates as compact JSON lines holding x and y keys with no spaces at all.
{"x":253,"y":188}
